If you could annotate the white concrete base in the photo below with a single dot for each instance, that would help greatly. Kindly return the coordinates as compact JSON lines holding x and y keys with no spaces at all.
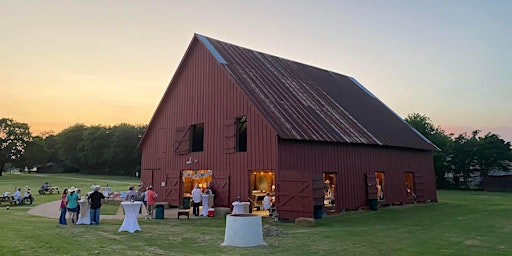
{"x":243,"y":230}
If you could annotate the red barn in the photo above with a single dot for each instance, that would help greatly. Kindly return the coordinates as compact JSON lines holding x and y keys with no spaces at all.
{"x":248,"y":123}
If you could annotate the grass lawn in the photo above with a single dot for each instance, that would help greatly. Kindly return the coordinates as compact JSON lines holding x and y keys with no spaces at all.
{"x":462,"y":223}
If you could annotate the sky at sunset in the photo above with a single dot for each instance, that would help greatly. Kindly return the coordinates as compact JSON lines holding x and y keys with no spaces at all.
{"x":109,"y":62}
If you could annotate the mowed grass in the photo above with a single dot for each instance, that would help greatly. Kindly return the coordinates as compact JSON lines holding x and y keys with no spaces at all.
{"x":462,"y":223}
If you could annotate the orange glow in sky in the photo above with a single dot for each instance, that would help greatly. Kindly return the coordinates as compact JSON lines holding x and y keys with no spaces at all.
{"x":108,"y":62}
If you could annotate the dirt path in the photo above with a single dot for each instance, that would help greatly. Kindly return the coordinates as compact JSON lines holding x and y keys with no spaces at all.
{"x":51,"y":210}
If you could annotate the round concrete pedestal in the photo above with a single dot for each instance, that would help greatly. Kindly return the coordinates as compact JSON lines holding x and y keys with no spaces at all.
{"x":243,"y":230}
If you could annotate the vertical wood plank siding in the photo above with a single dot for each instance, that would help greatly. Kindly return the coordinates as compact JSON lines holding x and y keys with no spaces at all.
{"x":202,"y":92}
{"x":351,"y":162}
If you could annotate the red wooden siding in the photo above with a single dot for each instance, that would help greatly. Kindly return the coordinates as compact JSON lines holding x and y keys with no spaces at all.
{"x":352,"y":163}
{"x":202,"y":92}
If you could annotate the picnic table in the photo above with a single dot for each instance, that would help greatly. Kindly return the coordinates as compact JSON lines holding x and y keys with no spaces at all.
{"x":7,"y":199}
{"x":50,"y":190}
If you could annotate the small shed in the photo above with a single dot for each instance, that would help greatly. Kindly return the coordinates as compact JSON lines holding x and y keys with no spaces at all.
{"x":248,"y":123}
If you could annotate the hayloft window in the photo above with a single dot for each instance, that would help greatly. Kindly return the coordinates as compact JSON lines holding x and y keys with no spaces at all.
{"x":197,"y":137}
{"x":241,"y":134}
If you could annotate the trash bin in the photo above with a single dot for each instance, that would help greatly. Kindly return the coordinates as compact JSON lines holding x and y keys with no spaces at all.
{"x":318,"y":211}
{"x":374,"y":204}
{"x":186,"y":202}
{"x":159,"y":211}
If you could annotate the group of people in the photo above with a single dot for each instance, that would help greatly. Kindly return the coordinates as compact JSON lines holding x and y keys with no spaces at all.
{"x":69,"y":203}
{"x":197,"y":195}
{"x":19,"y":199}
{"x":146,"y":195}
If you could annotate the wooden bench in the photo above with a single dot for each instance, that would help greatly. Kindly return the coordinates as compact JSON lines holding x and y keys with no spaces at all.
{"x":184,"y":213}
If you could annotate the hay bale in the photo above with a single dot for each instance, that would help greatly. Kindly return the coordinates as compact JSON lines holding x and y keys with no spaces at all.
{"x":222,"y":212}
{"x":272,"y":231}
{"x":305,"y":222}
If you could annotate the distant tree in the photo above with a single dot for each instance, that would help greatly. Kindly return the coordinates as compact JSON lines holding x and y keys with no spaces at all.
{"x":480,"y":154}
{"x":68,"y":142}
{"x":35,"y":153}
{"x":13,"y":140}
{"x":436,"y":135}
{"x":124,"y":157}
{"x":494,"y":153}
{"x":92,"y":149}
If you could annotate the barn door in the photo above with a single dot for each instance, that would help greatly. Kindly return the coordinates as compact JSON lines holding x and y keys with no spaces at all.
{"x":172,"y":192}
{"x":229,"y":136}
{"x":419,"y":187}
{"x":318,"y":189}
{"x":371,"y":185}
{"x":221,"y":190}
{"x":182,"y":140}
{"x":294,"y":196}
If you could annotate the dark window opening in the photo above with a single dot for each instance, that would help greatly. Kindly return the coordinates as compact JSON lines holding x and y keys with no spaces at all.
{"x":197,"y":137}
{"x":241,"y":134}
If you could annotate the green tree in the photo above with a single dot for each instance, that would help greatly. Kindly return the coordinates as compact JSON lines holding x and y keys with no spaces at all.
{"x":35,"y":153}
{"x":68,"y":142}
{"x":124,"y":157}
{"x":13,"y":140}
{"x":91,"y":150}
{"x":436,"y":135}
{"x":480,"y":154}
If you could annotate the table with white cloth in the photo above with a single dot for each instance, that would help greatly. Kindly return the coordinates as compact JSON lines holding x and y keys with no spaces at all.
{"x":204,"y":202}
{"x":85,"y":213}
{"x":130,"y":222}
{"x":238,"y":207}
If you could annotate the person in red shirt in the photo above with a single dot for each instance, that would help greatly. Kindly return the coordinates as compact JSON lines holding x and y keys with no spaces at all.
{"x":151,"y":198}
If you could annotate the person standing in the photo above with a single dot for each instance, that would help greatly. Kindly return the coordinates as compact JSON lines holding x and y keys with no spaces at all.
{"x":151,"y":200}
{"x":196,"y":199}
{"x":72,"y":204}
{"x":63,"y":198}
{"x":131,"y":195}
{"x":95,"y":199}
{"x":267,"y":203}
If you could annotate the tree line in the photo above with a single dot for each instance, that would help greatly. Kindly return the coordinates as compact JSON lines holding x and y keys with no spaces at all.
{"x":465,"y":155}
{"x":96,"y":149}
{"x":112,"y":150}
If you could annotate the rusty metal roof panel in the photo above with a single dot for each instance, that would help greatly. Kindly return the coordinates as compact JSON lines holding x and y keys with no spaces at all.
{"x":307,"y":103}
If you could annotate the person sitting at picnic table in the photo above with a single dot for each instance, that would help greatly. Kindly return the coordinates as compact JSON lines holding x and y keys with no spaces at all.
{"x":17,"y":196}
{"x":131,"y":195}
{"x":44,"y":188}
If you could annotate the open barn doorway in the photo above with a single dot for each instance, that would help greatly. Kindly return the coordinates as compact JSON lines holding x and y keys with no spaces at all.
{"x":203,"y":178}
{"x":330,"y":191}
{"x":261,"y":183}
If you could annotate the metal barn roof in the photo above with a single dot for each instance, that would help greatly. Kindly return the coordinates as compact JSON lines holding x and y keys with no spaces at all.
{"x":303,"y":102}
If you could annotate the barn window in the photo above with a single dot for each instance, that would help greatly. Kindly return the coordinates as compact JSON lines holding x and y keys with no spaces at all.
{"x":241,"y":134}
{"x":379,"y":176}
{"x":197,"y":137}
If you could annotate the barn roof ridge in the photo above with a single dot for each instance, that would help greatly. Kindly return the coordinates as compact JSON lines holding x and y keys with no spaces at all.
{"x":304,"y":102}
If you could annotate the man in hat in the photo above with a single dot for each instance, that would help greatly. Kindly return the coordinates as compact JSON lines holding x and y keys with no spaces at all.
{"x":95,"y":199}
